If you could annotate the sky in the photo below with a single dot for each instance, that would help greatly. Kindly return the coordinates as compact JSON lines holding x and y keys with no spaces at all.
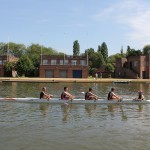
{"x":58,"y":23}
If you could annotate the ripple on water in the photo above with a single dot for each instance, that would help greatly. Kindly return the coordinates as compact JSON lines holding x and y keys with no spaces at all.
{"x":38,"y":126}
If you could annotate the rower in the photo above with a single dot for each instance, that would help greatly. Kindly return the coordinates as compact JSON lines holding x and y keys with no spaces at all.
{"x":140,"y":96}
{"x":90,"y":96}
{"x":44,"y":95}
{"x":112,"y":95}
{"x":65,"y":95}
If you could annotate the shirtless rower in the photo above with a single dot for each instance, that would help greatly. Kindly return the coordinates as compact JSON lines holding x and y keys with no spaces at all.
{"x":90,"y":96}
{"x":66,"y":95}
{"x":44,"y":95}
{"x":112,"y":95}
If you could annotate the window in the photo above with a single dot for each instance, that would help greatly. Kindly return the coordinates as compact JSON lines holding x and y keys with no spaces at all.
{"x":4,"y":61}
{"x":136,"y":64}
{"x":0,"y":62}
{"x":65,"y":62}
{"x":45,"y":61}
{"x":61,"y":62}
{"x":74,"y":62}
{"x":53,"y":62}
{"x":83,"y":62}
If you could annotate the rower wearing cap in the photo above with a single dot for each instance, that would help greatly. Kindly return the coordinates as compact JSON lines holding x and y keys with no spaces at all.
{"x":112,"y":95}
{"x":90,"y":96}
{"x":44,"y":95}
{"x":140,"y":95}
{"x":65,"y":95}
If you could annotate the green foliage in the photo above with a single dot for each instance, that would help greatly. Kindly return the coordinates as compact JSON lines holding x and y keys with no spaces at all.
{"x":34,"y":52}
{"x":29,"y":57}
{"x":104,"y":51}
{"x":128,"y":49}
{"x":17,"y":49}
{"x":92,"y":70}
{"x":90,"y":52}
{"x":94,"y":61}
{"x":133,"y":52}
{"x":76,"y":48}
{"x":97,"y":60}
{"x":112,"y":58}
{"x":121,"y":51}
{"x":8,"y":66}
{"x":146,"y":50}
{"x":3,"y":48}
{"x":12,"y":48}
{"x":99,"y":48}
{"x":109,"y":67}
{"x":25,"y":66}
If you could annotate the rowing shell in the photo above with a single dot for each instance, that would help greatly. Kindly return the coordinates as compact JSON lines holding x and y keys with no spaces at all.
{"x":74,"y":101}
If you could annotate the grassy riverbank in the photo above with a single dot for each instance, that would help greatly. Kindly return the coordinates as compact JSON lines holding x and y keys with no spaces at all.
{"x":59,"y":80}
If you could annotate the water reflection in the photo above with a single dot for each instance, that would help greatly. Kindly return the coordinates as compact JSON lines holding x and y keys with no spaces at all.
{"x":114,"y":108}
{"x":123,"y":114}
{"x":140,"y":107}
{"x":90,"y":109}
{"x":65,"y":110}
{"x":44,"y":108}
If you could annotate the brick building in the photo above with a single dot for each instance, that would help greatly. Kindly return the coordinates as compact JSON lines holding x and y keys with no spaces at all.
{"x":3,"y":59}
{"x":53,"y":66}
{"x":133,"y":67}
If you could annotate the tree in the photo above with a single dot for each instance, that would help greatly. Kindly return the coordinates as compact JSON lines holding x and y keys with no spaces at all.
{"x":92,"y":70}
{"x":76,"y":48}
{"x":34,"y":52}
{"x":31,"y":54}
{"x":25,"y":66}
{"x":99,"y":48}
{"x":146,"y":50}
{"x":100,"y":59}
{"x":17,"y":49}
{"x":104,"y":51}
{"x":97,"y":60}
{"x":128,"y":49}
{"x":8,"y":66}
{"x":133,"y":52}
{"x":112,"y":58}
{"x":109,"y":67}
{"x":3,"y":49}
{"x":12,"y":49}
{"x":89,"y":52}
{"x":121,"y":51}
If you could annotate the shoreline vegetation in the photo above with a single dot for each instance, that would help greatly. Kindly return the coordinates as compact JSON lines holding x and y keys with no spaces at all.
{"x":72,"y":80}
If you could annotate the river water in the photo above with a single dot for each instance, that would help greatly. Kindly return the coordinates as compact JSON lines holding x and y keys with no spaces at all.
{"x":30,"y":126}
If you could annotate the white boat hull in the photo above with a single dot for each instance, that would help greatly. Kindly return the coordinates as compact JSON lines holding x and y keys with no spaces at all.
{"x":74,"y":101}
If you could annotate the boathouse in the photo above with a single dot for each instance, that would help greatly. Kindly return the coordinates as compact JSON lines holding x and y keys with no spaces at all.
{"x":6,"y":58}
{"x":133,"y":67}
{"x":63,"y":66}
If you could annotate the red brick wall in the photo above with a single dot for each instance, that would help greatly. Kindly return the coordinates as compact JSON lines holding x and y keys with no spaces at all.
{"x":137,"y":67}
{"x":69,"y":68}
